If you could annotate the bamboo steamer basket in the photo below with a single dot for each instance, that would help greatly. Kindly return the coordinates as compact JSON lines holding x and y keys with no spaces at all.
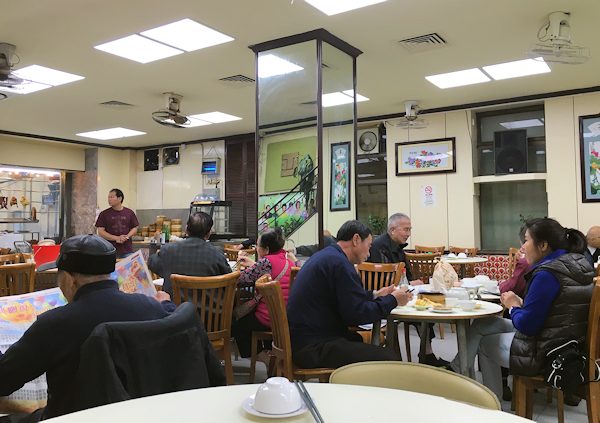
{"x":175,"y":228}
{"x":175,"y":221}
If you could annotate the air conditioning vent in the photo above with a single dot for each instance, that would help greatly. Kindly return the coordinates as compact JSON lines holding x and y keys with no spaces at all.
{"x":242,"y":79}
{"x":116,"y":104}
{"x":423,"y":42}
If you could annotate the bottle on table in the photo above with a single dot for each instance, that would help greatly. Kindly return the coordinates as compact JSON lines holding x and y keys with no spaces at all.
{"x":403,"y":278}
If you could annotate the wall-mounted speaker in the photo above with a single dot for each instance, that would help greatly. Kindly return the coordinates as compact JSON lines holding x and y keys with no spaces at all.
{"x":170,"y":156}
{"x":510,"y":151}
{"x":151,"y":160}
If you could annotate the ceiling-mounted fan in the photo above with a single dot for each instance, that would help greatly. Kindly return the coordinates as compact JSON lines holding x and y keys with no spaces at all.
{"x":555,"y":42}
{"x":410,"y":120}
{"x":171,"y":115}
{"x":7,"y":78}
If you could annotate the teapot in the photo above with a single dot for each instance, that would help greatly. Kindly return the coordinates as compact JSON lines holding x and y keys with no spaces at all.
{"x":458,"y":293}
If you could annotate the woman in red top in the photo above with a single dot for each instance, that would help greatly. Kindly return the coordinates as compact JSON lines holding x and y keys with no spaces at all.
{"x":273,"y":260}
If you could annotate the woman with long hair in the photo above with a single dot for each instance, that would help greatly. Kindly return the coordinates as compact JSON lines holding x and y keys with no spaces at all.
{"x":273,"y":260}
{"x":554,"y":309}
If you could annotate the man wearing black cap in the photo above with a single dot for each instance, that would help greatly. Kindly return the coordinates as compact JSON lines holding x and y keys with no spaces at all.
{"x":52,"y":343}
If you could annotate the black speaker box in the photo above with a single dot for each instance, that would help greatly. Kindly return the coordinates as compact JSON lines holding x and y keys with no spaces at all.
{"x":510,"y":151}
{"x":151,"y":160}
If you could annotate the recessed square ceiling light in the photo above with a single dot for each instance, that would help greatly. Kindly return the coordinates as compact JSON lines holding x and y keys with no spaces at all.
{"x":44,"y":75}
{"x":335,"y":99}
{"x":359,"y":97}
{"x":25,"y":88}
{"x":458,"y":78}
{"x":517,"y":68}
{"x":111,"y":133}
{"x":215,"y":117}
{"x":527,"y":123}
{"x":196,"y":122}
{"x":271,"y":65}
{"x":138,"y":48}
{"x":187,"y":35}
{"x":333,"y":7}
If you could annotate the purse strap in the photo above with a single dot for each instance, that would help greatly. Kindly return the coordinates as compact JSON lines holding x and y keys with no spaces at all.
{"x":282,"y":273}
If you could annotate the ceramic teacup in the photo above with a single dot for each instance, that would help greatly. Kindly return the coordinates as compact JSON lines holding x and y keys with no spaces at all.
{"x":277,"y":396}
{"x":467,"y":305}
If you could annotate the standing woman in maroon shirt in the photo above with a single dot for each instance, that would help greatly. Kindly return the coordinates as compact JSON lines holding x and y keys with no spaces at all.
{"x":118,"y":224}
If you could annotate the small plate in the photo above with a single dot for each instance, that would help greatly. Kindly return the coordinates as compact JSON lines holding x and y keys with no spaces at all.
{"x":442,"y":311}
{"x":248,"y":406}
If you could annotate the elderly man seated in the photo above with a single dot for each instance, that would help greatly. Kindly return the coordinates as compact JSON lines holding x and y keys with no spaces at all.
{"x":328,"y":296}
{"x":52,"y":344}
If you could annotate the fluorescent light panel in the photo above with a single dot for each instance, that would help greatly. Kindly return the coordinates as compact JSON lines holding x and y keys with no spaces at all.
{"x":527,"y":123}
{"x":517,"y":68}
{"x":25,"y":88}
{"x":215,"y":117}
{"x":458,"y":78}
{"x":271,"y":65}
{"x":339,"y":98}
{"x":196,"y":122}
{"x":44,"y":75}
{"x":187,"y":35}
{"x":111,"y":133}
{"x":138,"y":48}
{"x":333,"y":7}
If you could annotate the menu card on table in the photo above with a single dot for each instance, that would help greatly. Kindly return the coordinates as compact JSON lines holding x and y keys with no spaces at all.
{"x":133,"y":275}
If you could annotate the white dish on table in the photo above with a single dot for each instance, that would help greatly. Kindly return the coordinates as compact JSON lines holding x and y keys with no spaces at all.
{"x":248,"y":406}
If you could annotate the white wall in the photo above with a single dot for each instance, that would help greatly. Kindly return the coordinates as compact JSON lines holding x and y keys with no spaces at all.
{"x":116,"y":170}
{"x":27,"y":152}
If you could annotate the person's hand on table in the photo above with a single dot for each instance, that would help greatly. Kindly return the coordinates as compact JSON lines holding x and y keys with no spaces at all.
{"x":162,"y":296}
{"x":244,"y":260}
{"x":402,"y":295}
{"x":384,"y":291}
{"x":417,"y":282}
{"x":510,"y":299}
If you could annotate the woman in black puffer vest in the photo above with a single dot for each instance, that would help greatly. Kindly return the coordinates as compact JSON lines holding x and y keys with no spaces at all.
{"x":553,"y":311}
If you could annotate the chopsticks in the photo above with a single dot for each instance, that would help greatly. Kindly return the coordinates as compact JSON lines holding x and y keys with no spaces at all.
{"x":309,"y":401}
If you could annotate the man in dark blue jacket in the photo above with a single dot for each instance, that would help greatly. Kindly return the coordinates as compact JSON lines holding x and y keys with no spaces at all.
{"x":328,"y":296}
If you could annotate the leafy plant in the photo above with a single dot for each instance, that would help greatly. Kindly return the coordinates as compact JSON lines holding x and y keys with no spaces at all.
{"x":377,"y":224}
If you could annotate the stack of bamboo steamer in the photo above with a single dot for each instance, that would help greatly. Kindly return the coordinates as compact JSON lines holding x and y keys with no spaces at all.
{"x":176,"y":227}
{"x":145,"y":231}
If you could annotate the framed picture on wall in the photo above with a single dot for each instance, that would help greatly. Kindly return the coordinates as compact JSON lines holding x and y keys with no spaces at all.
{"x":339,"y":193}
{"x":589,"y":149}
{"x":422,"y":157}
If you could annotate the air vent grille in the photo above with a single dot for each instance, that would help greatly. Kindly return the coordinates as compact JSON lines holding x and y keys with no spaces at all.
{"x":423,"y":42}
{"x":238,"y":78}
{"x":116,"y":104}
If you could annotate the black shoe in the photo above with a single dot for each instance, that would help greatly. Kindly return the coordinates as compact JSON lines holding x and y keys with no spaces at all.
{"x":432,"y":360}
{"x":572,"y":400}
{"x":506,"y":394}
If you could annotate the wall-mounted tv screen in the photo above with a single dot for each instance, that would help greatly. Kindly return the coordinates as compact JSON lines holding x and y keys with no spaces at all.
{"x":210,"y":166}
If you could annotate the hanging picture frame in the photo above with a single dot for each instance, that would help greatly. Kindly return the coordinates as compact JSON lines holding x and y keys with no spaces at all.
{"x":423,"y":157}
{"x":589,"y":150}
{"x":339,"y":193}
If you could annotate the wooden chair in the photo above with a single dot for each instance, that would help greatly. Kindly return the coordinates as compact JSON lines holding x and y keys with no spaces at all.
{"x":232,"y":254}
{"x":4,"y":251}
{"x":416,"y":378}
{"x":282,"y":345}
{"x":524,"y":386}
{"x":11,"y":258}
{"x":513,"y":257}
{"x":264,"y":336}
{"x":213,"y":297}
{"x":421,"y":265}
{"x":470,"y":252}
{"x":18,"y":278}
{"x":421,"y":249}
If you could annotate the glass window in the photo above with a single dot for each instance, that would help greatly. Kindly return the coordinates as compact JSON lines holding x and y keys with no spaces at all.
{"x":371,"y":191}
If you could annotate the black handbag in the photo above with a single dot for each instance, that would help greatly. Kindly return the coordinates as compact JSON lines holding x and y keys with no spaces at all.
{"x":565,"y":367}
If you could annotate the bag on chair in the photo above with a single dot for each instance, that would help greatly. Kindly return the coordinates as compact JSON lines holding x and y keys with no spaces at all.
{"x":248,"y":306}
{"x":566,"y":367}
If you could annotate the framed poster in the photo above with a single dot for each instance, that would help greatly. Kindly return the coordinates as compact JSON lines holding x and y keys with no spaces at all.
{"x":339,"y":193}
{"x":422,"y":157}
{"x":589,"y":148}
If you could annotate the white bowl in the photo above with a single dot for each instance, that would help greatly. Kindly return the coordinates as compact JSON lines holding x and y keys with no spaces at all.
{"x":277,"y":396}
{"x":470,"y":283}
{"x":451,"y":255}
{"x":462,"y":255}
{"x":467,"y":305}
{"x":482,"y":278}
{"x":489,"y":285}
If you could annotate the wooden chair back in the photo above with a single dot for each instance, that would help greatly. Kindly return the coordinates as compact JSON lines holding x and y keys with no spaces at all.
{"x":232,"y":253}
{"x":375,"y":276}
{"x":513,"y":257}
{"x":597,"y":271}
{"x":11,"y":258}
{"x":282,"y":346}
{"x":593,"y":334}
{"x":422,"y":265}
{"x":4,"y":251}
{"x":293,"y":274}
{"x":421,"y":249}
{"x":17,"y":278}
{"x":213,"y":297}
{"x":470,"y":252}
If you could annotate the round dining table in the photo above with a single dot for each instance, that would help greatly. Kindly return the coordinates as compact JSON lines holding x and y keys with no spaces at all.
{"x":462,"y":320}
{"x":463,"y":261}
{"x":336,"y":403}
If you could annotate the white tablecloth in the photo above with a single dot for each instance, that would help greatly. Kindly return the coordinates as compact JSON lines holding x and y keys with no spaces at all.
{"x":337,"y":403}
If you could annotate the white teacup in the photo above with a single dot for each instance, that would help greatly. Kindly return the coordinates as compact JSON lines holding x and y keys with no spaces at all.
{"x":467,"y":305}
{"x":451,"y":301}
{"x":451,"y":255}
{"x":462,"y":255}
{"x":277,"y":396}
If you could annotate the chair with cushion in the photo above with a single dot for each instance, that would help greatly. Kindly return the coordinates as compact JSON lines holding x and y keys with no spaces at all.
{"x":421,"y":249}
{"x":470,"y":252}
{"x":264,"y":336}
{"x":282,"y":345}
{"x":416,"y":378}
{"x":18,"y":278}
{"x":129,"y":360}
{"x":213,"y":297}
{"x":524,"y":386}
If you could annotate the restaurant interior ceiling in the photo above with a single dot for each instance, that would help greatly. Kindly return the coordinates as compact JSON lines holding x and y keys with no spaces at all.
{"x":62,"y":34}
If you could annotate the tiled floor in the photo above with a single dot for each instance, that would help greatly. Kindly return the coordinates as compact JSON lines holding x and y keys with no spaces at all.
{"x":446,"y":348}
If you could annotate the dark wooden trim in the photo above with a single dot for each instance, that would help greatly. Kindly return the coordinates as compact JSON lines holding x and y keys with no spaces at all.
{"x":320,"y":198}
{"x":582,"y":158}
{"x":355,"y":141}
{"x":257,"y":137}
{"x":316,"y":34}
